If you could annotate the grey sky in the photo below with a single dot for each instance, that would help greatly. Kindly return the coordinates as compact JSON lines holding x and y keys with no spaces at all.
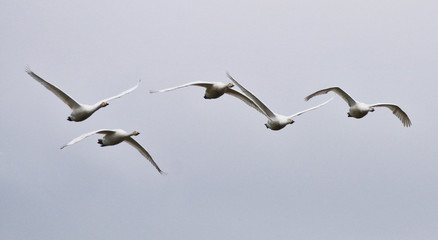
{"x":324,"y":177}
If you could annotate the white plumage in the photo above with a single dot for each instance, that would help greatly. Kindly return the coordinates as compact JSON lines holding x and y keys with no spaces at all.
{"x":113,"y":137}
{"x":80,"y":112}
{"x":359,"y":110}
{"x":275,"y":121}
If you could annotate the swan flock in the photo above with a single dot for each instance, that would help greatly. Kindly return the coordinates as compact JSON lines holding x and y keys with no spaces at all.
{"x":213,"y":90}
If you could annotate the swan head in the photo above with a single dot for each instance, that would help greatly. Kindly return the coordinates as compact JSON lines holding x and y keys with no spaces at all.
{"x":135,"y":133}
{"x":230,"y":85}
{"x":371,"y":109}
{"x":104,"y":104}
{"x":290,"y":121}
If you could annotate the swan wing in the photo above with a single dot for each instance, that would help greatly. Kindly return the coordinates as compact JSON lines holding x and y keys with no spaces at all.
{"x":312,"y":108}
{"x":122,"y":93}
{"x":197,"y":83}
{"x":350,"y":101}
{"x":397,"y":111}
{"x":266,"y":110}
{"x":101,"y":131}
{"x":60,"y":94}
{"x":245,"y":99}
{"x":143,"y":152}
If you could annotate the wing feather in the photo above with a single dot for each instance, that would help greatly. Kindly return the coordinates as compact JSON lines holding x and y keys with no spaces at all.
{"x":347,"y":98}
{"x":397,"y":111}
{"x":122,"y":93}
{"x":245,"y":99}
{"x":312,"y":108}
{"x":60,"y":94}
{"x":85,"y":135}
{"x":143,"y":152}
{"x":266,"y":110}
{"x":197,"y":83}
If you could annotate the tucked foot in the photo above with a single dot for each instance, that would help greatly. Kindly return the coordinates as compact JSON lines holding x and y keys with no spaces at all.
{"x":100,"y":142}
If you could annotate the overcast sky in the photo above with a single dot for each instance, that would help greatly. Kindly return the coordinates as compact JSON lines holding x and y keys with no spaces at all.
{"x":326,"y":176}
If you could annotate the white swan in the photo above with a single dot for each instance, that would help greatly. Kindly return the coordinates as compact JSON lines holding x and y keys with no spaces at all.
{"x":359,"y":110}
{"x":116,"y":136}
{"x":275,"y":121}
{"x":80,"y":112}
{"x":214,"y":90}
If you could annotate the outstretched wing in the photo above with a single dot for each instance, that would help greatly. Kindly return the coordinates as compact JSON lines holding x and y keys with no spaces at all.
{"x":122,"y":93}
{"x":245,"y":99}
{"x":60,"y":94}
{"x":267,"y":112}
{"x":350,"y":101}
{"x":101,"y":131}
{"x":312,"y":108}
{"x":143,"y":152}
{"x":397,"y":111}
{"x":198,"y":83}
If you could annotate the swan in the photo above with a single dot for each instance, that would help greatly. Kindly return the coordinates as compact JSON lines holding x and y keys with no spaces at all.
{"x":214,"y":90}
{"x":359,"y":110}
{"x":80,"y":112}
{"x":275,"y":121}
{"x":116,"y":136}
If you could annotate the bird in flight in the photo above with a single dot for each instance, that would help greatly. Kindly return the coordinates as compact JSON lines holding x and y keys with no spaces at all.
{"x":359,"y":110}
{"x":80,"y":111}
{"x":275,"y":121}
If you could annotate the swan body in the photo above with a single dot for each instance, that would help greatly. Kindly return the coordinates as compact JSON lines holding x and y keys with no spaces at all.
{"x":359,"y":109}
{"x":275,"y":121}
{"x":214,"y":90}
{"x":80,"y":112}
{"x":113,"y":137}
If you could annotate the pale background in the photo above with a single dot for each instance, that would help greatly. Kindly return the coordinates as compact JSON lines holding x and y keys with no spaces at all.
{"x":325,"y":177}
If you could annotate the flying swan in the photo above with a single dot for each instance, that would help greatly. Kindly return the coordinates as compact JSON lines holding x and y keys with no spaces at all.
{"x":275,"y":121}
{"x":214,"y":90}
{"x":359,"y":110}
{"x":80,"y":112}
{"x":116,"y":136}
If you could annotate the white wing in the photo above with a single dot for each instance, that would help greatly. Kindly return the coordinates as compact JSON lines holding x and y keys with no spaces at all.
{"x":350,"y":101}
{"x":397,"y":111}
{"x":267,"y":112}
{"x":245,"y":99}
{"x":312,"y":108}
{"x":122,"y":93}
{"x":101,"y":131}
{"x":60,"y":94}
{"x":143,"y":152}
{"x":198,"y":83}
